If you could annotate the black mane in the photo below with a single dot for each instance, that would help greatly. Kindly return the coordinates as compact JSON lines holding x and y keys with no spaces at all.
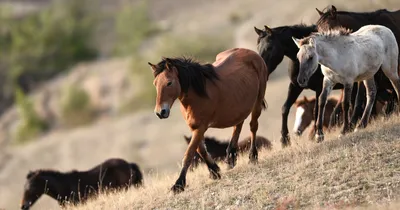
{"x":191,"y":74}
{"x":299,"y":30}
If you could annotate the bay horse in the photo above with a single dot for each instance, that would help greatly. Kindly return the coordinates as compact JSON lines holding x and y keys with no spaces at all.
{"x":345,"y":58}
{"x":305,"y":113}
{"x":275,"y":43}
{"x":78,"y":186}
{"x":217,"y":149}
{"x":332,"y":18}
{"x":218,"y":95}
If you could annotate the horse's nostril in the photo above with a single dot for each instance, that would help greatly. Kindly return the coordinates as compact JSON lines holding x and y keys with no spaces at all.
{"x":163,"y":111}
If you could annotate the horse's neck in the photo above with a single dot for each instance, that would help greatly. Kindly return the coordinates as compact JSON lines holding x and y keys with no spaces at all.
{"x":328,"y":52}
{"x":58,"y":186}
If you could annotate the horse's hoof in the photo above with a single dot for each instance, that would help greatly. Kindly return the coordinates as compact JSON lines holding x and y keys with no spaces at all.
{"x":231,"y":160}
{"x":253,"y":161}
{"x":319,"y":137}
{"x":355,"y":130}
{"x":285,"y":141}
{"x":176,"y":189}
{"x":215,"y":175}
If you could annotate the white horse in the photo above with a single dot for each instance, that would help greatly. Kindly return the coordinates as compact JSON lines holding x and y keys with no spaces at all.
{"x":346,"y":58}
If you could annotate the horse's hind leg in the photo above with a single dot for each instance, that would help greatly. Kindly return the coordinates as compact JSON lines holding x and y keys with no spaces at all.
{"x":371,"y":94}
{"x":392,"y":72}
{"x":212,"y":166}
{"x":255,"y":114}
{"x":231,"y":151}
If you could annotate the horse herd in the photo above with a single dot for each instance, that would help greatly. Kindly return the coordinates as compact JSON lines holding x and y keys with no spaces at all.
{"x":354,"y":51}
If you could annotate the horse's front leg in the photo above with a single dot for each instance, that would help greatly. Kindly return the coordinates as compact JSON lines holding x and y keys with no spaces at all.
{"x":357,"y":111}
{"x":346,"y":105}
{"x":371,"y":94}
{"x":212,"y":166}
{"x":197,"y":137}
{"x":293,"y":94}
{"x":231,"y":151}
{"x":323,"y":97}
{"x":316,"y":110}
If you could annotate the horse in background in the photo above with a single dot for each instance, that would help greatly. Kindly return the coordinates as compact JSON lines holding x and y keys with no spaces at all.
{"x":217,"y":149}
{"x":305,"y":113}
{"x":218,"y":95}
{"x":332,"y":18}
{"x":345,"y":58}
{"x":78,"y":186}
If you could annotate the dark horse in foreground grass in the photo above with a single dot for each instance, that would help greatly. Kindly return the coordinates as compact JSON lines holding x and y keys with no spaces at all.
{"x":77,"y":186}
{"x":218,"y":95}
{"x":217,"y":149}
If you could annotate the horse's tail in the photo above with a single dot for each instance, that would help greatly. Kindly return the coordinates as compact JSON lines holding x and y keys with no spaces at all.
{"x":136,"y":175}
{"x":263,"y":83}
{"x":264,"y":104}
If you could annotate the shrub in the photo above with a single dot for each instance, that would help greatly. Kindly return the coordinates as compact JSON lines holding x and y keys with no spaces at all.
{"x":31,"y":125}
{"x":133,"y":26}
{"x":40,"y":45}
{"x":76,"y":108}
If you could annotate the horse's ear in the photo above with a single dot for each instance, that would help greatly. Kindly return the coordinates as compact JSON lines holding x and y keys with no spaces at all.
{"x":311,"y":41}
{"x":305,"y":99}
{"x":259,"y":31}
{"x":296,"y":41}
{"x":268,"y":29}
{"x":153,"y":67}
{"x":30,"y":174}
{"x":187,"y":138}
{"x":319,"y":12}
{"x":333,"y":11}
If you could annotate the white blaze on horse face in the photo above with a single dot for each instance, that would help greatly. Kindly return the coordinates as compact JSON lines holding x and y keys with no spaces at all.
{"x":299,"y":115}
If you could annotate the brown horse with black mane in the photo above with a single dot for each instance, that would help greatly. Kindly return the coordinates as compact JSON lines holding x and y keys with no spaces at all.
{"x":217,"y":95}
{"x":77,"y":186}
{"x":217,"y":149}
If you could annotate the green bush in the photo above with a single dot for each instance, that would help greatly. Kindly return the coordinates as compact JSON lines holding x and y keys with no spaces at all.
{"x":76,"y":108}
{"x":31,"y":125}
{"x":133,"y":26}
{"x":40,"y":45}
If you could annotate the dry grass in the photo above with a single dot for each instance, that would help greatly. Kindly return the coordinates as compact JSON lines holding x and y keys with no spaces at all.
{"x":356,"y":171}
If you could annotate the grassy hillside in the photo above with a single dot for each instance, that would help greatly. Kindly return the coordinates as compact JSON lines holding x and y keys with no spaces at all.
{"x":358,"y":170}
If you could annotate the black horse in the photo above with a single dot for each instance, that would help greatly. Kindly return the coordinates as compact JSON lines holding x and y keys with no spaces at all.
{"x":273,"y":44}
{"x":77,"y":186}
{"x":355,"y":20}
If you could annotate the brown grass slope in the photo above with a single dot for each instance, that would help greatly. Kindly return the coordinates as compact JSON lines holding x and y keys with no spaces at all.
{"x":358,"y":170}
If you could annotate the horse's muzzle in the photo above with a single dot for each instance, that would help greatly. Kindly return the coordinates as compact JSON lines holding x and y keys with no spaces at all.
{"x":24,"y":207}
{"x":163,"y":114}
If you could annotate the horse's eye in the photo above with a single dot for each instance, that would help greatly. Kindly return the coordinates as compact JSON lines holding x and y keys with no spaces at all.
{"x":169,"y":83}
{"x":310,"y":58}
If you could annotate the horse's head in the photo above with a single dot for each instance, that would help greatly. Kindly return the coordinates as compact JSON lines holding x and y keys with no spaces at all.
{"x":308,"y":59}
{"x":331,"y":19}
{"x":304,"y":115}
{"x":269,"y":47}
{"x":167,"y":85}
{"x":35,"y":186}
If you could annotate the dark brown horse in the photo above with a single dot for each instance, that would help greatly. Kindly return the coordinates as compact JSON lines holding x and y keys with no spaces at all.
{"x":77,"y":186}
{"x":332,"y":18}
{"x":217,"y":149}
{"x":218,"y":95}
